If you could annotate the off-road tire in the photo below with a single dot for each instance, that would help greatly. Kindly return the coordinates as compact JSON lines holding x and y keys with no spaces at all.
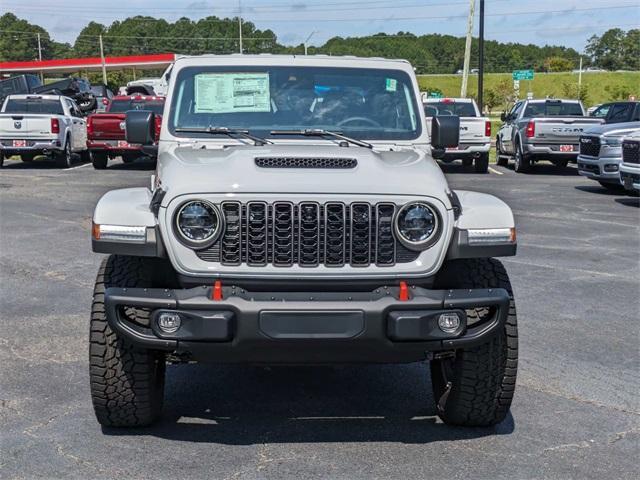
{"x":64,"y":159}
{"x":522,"y":163}
{"x":99,"y":160}
{"x":481,"y":164}
{"x":501,"y":159}
{"x":127,"y":383}
{"x":467,"y":162}
{"x":480,"y":380}
{"x":129,"y":158}
{"x":27,"y":157}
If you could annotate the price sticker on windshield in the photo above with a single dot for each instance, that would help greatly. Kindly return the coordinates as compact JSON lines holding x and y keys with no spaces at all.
{"x":391,"y":84}
{"x":232,"y":93}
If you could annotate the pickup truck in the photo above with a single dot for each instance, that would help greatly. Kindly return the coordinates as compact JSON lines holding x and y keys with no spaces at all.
{"x":50,"y":125}
{"x":106,"y":135}
{"x":537,"y":130}
{"x":475,"y":130}
{"x":630,"y":167}
{"x":601,"y":153}
{"x":298,"y":217}
{"x":618,"y":112}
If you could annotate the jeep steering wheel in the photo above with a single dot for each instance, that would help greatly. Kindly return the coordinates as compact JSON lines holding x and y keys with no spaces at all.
{"x":358,"y":119}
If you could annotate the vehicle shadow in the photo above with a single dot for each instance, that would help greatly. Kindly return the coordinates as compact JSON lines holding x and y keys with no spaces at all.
{"x":456,"y":167}
{"x":40,"y":163}
{"x":138,"y":164}
{"x":244,"y":405}
{"x":599,"y":190}
{"x":548,"y":169}
{"x":629,"y":201}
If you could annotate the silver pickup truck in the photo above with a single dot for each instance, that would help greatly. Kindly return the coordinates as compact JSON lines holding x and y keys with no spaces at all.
{"x":475,"y":130}
{"x":601,"y":153}
{"x":51,"y":125}
{"x":537,"y":130}
{"x":298,"y":216}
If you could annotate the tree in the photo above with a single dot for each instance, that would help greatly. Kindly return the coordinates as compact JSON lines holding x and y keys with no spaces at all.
{"x":19,"y":41}
{"x":558,"y":64}
{"x":615,"y":49}
{"x":573,"y":90}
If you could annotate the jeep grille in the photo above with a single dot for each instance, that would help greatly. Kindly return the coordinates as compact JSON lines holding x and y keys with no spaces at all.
{"x":590,"y":146}
{"x":307,"y":234}
{"x":630,"y":151}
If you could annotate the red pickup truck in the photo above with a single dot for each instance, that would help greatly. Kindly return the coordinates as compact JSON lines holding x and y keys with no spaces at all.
{"x":105,"y":131}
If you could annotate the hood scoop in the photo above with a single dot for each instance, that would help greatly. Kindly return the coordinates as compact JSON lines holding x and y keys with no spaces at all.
{"x":306,"y":162}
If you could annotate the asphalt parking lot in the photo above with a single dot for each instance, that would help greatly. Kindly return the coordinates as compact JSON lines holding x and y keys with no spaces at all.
{"x":576,"y":413}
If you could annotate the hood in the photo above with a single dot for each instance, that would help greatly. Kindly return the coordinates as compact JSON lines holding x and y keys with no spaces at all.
{"x":233,"y":169}
{"x":614,"y":129}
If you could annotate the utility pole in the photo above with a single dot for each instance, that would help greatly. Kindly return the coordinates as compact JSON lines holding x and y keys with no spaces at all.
{"x":240,"y":24}
{"x":104,"y":68}
{"x":467,"y":49}
{"x":307,"y":41}
{"x":580,"y":74}
{"x":40,"y":56}
{"x":481,"y":59}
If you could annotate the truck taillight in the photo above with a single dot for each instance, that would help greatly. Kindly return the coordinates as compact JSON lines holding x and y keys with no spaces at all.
{"x":487,"y":128}
{"x":531,"y":129}
{"x":55,"y":125}
{"x":90,"y":127}
{"x":158,"y":120}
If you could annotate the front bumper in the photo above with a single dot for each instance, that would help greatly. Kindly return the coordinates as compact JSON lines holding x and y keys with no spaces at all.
{"x":630,"y":176}
{"x":303,"y":327}
{"x":603,"y":169}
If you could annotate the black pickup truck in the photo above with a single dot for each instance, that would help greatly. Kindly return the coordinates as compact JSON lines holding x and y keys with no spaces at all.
{"x":618,"y":112}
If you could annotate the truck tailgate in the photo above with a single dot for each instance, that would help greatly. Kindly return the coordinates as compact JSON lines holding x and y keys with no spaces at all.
{"x":562,"y":130}
{"x":25,"y":126}
{"x":472,"y":130}
{"x":106,"y":126}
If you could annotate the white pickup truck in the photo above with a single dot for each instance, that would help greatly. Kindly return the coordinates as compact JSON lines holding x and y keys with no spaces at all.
{"x":50,"y":125}
{"x":475,"y":130}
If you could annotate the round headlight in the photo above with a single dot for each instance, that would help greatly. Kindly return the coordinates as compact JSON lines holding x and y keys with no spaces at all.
{"x":198,"y":223}
{"x":417,"y":225}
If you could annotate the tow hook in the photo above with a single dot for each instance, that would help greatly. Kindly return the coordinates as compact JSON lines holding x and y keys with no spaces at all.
{"x":442,"y":402}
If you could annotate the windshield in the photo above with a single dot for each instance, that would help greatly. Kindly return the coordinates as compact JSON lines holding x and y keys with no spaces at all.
{"x":34,"y":105}
{"x":553,"y":109}
{"x":121,"y":106}
{"x":464,"y":109}
{"x":361,"y":103}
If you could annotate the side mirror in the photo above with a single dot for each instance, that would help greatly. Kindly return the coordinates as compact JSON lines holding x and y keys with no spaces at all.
{"x":503,"y":116}
{"x":445,"y":133}
{"x":140,"y":127}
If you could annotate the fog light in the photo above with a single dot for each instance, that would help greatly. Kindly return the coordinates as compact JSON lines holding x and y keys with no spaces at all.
{"x":611,"y":167}
{"x":449,"y":322}
{"x":169,"y":322}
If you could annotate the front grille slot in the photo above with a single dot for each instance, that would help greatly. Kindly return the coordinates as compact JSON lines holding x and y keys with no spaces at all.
{"x":307,"y":234}
{"x":630,"y":151}
{"x":590,"y":146}
{"x":306,"y":162}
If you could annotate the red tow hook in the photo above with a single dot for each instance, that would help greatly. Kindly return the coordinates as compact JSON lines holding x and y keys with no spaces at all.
{"x":403,"y":295}
{"x":216,"y":293}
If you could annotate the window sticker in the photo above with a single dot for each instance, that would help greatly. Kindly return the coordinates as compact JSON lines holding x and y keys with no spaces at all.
{"x":391,"y":84}
{"x":232,"y":93}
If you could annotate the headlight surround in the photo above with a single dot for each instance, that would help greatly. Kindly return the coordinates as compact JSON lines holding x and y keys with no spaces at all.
{"x":198,"y":223}
{"x":417,"y":225}
{"x":612,"y":141}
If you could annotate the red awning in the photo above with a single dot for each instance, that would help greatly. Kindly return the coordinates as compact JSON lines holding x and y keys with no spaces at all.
{"x":161,"y":60}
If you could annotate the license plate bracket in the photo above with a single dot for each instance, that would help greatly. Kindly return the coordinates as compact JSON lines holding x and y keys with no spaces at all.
{"x":566,"y":148}
{"x":19,"y":143}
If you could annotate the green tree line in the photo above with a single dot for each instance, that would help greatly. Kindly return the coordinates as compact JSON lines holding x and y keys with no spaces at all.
{"x":432,"y":53}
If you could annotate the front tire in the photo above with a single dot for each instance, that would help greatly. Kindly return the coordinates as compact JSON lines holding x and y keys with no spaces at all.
{"x":481,"y":164}
{"x":476,"y":387}
{"x":127,"y":382}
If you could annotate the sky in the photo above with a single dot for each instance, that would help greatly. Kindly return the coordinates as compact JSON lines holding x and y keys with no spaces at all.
{"x":553,"y":22}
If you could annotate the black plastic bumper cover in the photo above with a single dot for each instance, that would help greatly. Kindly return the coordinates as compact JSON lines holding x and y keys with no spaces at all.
{"x":298,"y":327}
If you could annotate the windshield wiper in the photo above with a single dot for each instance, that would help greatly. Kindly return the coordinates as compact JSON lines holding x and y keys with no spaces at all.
{"x":231,"y":132}
{"x":319,"y":132}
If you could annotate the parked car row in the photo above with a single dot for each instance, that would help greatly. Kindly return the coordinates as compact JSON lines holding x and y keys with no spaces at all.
{"x":54,"y":126}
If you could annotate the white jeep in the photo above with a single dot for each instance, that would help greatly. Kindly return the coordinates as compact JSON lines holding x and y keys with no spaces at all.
{"x":298,"y":216}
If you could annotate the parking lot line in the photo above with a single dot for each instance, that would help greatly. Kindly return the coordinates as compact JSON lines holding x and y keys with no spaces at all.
{"x":493,"y":170}
{"x":79,"y":166}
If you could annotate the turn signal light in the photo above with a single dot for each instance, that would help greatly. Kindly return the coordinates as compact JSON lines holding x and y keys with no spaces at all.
{"x":55,"y":125}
